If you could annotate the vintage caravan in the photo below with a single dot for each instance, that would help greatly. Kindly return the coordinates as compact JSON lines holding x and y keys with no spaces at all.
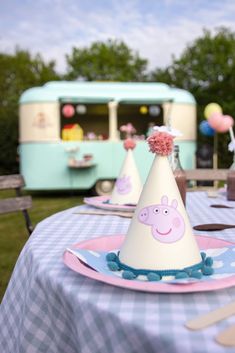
{"x":71,"y":132}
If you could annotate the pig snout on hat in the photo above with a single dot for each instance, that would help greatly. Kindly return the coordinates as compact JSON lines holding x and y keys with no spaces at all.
{"x":144,"y":215}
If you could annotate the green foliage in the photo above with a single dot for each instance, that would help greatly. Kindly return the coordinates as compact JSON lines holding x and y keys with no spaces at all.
{"x":206,"y":69}
{"x":8,"y":143}
{"x":110,"y":61}
{"x":17,"y":73}
{"x":13,"y":231}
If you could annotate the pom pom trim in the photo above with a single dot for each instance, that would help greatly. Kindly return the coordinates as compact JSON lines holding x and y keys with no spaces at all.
{"x":196,"y":271}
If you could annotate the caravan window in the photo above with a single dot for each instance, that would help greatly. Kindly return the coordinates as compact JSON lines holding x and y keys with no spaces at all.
{"x":84,"y":121}
{"x":141,"y":116}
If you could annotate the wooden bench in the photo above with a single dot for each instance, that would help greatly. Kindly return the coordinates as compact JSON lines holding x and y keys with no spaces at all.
{"x":196,"y":177}
{"x":18,"y":203}
{"x":207,"y":174}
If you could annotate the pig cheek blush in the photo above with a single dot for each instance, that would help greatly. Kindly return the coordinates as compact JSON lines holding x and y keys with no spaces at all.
{"x":176,"y":222}
{"x":143,"y":216}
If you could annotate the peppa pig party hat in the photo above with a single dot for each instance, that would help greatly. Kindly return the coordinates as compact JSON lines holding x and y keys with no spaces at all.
{"x":160,"y":241}
{"x":128,"y":185}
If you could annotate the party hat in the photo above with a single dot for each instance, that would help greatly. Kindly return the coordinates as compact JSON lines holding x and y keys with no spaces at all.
{"x":160,"y":240}
{"x":128,"y":185}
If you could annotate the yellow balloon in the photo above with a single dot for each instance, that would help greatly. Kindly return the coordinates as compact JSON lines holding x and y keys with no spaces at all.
{"x":143,"y":109}
{"x":212,"y":108}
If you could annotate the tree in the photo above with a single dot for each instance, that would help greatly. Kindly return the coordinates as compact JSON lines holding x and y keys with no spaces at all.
{"x":206,"y":69}
{"x":110,"y":61}
{"x":17,"y":73}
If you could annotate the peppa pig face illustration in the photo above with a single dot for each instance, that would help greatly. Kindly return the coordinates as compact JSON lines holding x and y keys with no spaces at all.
{"x":123,"y":185}
{"x":167,"y":224}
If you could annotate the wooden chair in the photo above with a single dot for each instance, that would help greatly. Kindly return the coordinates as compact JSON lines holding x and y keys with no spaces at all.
{"x":18,"y":203}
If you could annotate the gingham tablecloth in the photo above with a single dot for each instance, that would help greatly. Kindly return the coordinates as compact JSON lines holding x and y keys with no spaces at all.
{"x":49,"y":308}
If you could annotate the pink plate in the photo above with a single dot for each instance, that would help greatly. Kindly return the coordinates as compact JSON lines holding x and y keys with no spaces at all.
{"x":112,"y":242}
{"x":98,"y":201}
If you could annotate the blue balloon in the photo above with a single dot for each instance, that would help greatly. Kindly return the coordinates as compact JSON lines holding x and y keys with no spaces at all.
{"x":206,"y":129}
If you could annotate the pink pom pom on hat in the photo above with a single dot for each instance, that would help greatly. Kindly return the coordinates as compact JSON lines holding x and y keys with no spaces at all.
{"x":161,"y":143}
{"x":129,"y":144}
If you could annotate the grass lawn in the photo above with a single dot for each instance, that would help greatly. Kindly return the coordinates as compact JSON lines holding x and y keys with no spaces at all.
{"x":13,"y":233}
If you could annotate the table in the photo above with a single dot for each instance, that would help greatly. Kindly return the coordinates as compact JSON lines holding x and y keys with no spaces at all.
{"x":49,"y":308}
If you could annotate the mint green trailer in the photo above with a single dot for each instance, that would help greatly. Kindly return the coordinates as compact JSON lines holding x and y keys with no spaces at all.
{"x":70,"y":131}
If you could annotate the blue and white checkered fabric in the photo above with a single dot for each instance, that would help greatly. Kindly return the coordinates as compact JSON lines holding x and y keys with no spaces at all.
{"x":49,"y":308}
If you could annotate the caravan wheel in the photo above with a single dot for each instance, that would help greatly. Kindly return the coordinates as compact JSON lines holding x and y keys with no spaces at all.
{"x":103,"y":187}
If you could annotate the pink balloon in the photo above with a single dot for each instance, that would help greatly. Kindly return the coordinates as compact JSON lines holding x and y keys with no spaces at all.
{"x":226,"y":123}
{"x":68,"y":110}
{"x":215,"y":120}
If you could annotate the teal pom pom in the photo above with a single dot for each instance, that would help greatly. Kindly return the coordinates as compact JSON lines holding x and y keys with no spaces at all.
{"x":209,"y":261}
{"x":111,"y":256}
{"x":128,"y":275}
{"x":153,"y":277}
{"x":196,"y":274}
{"x":207,"y":270}
{"x":181,"y":275}
{"x":106,"y":201}
{"x":203,"y":255}
{"x":188,"y":271}
{"x":113,"y":266}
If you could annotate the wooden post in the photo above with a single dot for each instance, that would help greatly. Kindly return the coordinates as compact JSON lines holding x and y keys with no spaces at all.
{"x":113,"y":120}
{"x":215,"y":156}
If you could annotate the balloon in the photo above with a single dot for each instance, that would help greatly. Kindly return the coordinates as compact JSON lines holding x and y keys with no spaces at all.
{"x":220,"y":123}
{"x":68,"y":110}
{"x":226,"y":123}
{"x":215,"y":120}
{"x":81,"y":109}
{"x":143,"y":109}
{"x":154,"y":110}
{"x":212,"y":108}
{"x":206,"y":129}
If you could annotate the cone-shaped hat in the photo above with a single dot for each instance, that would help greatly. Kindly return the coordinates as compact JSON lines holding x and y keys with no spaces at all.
{"x":128,"y":186}
{"x":160,"y":241}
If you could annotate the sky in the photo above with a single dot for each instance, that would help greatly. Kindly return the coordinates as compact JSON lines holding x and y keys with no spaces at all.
{"x":156,"y":29}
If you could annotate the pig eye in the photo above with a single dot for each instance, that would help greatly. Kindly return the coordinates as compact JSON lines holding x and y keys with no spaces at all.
{"x":156,"y":210}
{"x":165,"y":212}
